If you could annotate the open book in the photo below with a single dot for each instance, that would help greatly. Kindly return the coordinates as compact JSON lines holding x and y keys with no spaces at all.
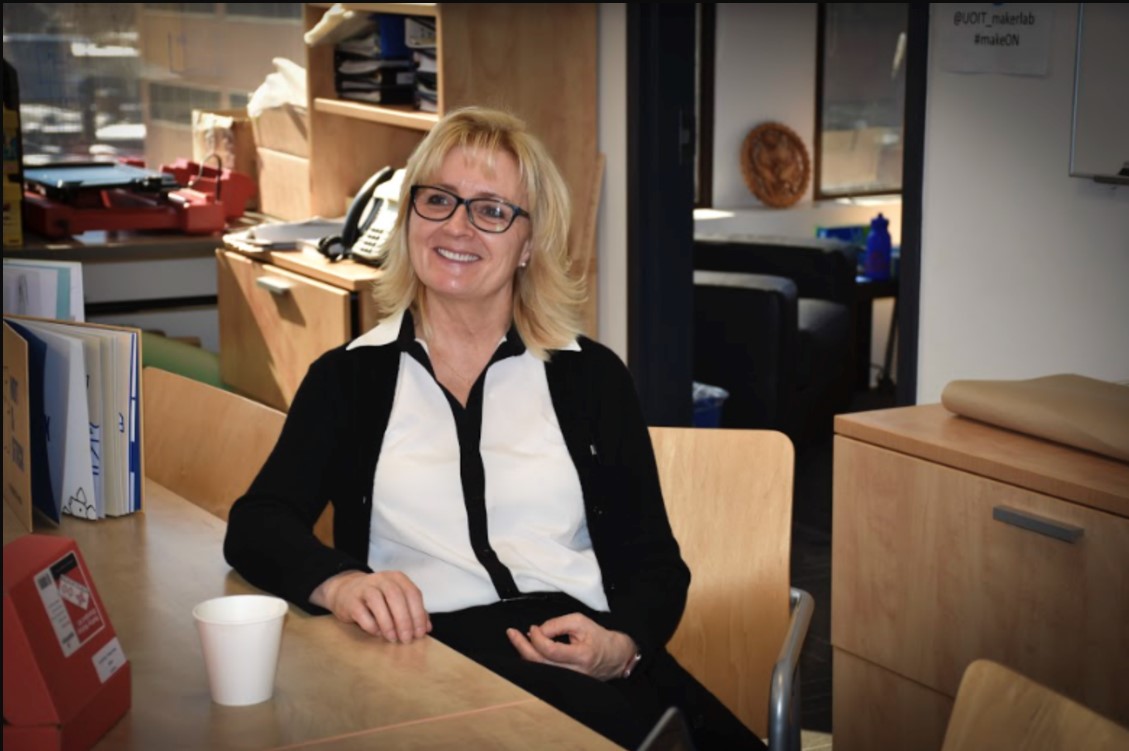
{"x":79,"y":386}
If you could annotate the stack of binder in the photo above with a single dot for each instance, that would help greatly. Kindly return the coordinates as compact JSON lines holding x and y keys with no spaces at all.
{"x":376,"y":65}
{"x":73,"y":444}
{"x":420,"y":38}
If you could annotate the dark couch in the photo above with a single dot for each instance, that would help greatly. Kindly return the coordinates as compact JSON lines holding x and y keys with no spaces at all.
{"x":773,"y":325}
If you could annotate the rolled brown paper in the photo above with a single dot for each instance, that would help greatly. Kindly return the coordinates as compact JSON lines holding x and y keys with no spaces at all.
{"x":1076,"y":410}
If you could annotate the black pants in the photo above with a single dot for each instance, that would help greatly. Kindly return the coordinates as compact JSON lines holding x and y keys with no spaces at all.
{"x":623,"y":710}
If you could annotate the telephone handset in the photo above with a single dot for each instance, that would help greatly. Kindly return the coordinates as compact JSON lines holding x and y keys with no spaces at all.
{"x":369,"y":219}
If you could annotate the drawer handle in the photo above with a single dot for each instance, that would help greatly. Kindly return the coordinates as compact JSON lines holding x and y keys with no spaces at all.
{"x":274,"y":285}
{"x":1038,"y":524}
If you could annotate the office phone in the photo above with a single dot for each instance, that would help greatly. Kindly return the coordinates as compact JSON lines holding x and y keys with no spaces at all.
{"x":368,"y":221}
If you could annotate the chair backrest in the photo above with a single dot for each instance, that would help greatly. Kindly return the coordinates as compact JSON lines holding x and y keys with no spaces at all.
{"x":746,"y":340}
{"x":822,"y":268}
{"x":998,"y":709}
{"x":206,"y":444}
{"x":729,"y":497}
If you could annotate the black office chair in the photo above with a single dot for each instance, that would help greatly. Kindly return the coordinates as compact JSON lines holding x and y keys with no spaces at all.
{"x":774,"y":326}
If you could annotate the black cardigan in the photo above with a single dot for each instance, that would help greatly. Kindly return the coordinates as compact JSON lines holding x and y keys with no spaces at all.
{"x":331,"y":441}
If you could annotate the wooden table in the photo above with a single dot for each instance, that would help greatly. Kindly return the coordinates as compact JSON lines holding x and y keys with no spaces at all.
{"x":336,"y":688}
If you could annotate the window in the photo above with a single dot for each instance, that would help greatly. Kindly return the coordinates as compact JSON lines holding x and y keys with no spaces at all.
{"x":265,"y":10}
{"x":103,"y":81}
{"x":174,"y":104}
{"x":860,"y":97}
{"x":199,"y":8}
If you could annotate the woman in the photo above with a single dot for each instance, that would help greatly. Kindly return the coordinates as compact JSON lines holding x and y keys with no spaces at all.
{"x":492,"y":476}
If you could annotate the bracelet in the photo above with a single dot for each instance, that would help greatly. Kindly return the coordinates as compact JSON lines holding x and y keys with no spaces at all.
{"x":631,"y":665}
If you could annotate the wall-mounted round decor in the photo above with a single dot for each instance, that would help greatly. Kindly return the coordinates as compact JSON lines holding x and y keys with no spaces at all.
{"x":775,"y":164}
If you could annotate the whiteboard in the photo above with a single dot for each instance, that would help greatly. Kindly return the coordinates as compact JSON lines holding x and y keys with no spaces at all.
{"x":1099,"y":142}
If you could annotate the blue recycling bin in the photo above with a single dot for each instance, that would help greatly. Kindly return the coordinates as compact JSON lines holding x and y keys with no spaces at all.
{"x":708,"y":401}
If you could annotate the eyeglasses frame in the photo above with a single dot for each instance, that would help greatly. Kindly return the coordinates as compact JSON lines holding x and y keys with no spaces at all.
{"x":466,"y":202}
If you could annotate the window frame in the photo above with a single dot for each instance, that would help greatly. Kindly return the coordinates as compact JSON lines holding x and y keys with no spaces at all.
{"x":704,"y":96}
{"x":818,"y":192}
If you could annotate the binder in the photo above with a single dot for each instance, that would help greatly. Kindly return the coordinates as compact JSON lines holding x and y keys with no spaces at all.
{"x":419,"y":32}
{"x":425,"y":61}
{"x":427,"y":80}
{"x":392,"y":37}
{"x":82,"y":392}
{"x":376,"y":93}
{"x":427,"y":101}
{"x":376,"y":67}
{"x":378,"y":78}
{"x":347,"y":63}
{"x":25,"y":450}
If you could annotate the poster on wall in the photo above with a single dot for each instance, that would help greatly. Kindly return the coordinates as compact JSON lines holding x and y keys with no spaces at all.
{"x":1004,"y":38}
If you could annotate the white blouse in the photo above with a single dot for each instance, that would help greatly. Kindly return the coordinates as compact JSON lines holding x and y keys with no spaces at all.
{"x":534,"y":505}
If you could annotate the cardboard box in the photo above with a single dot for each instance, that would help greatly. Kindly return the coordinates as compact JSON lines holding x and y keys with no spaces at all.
{"x":229,"y":135}
{"x":17,"y":429}
{"x":66,"y":679}
{"x":285,"y":129}
{"x":284,"y":185}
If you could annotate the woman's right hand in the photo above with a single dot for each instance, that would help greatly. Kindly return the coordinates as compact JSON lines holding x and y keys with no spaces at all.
{"x":385,"y":604}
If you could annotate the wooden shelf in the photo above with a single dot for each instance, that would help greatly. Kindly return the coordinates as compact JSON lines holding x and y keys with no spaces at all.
{"x":491,"y":54}
{"x":403,"y":117}
{"x":402,"y":9}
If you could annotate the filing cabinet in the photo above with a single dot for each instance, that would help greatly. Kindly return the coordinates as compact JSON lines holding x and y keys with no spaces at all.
{"x":954,"y":540}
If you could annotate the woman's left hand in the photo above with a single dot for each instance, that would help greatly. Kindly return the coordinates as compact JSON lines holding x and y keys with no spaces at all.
{"x":591,"y":649}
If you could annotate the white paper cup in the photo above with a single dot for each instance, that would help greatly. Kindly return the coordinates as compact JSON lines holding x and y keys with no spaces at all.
{"x":240,"y":636}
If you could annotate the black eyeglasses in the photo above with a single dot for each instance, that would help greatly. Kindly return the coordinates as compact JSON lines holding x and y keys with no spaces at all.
{"x":487,"y":214}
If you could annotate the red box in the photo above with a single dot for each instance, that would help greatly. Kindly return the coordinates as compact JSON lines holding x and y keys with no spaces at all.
{"x":66,"y":679}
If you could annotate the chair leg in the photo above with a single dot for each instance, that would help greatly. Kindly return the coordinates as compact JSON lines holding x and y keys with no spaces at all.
{"x":784,"y":693}
{"x":795,"y":742}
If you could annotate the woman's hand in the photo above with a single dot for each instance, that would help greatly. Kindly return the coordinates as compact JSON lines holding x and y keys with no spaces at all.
{"x":591,"y":648}
{"x":385,"y":604}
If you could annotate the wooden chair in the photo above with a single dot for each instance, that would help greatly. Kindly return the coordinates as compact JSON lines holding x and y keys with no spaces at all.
{"x":998,"y":709}
{"x":729,"y":497}
{"x":206,"y":444}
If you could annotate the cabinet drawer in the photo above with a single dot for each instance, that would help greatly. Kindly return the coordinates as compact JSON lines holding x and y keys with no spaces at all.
{"x":273,"y":324}
{"x":876,"y":709}
{"x":925,"y":580}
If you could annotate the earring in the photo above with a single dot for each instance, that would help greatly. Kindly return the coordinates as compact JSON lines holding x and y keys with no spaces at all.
{"x":523,"y":264}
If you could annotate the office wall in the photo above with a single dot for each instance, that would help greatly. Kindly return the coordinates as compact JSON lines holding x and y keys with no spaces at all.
{"x":611,"y":229}
{"x":765,"y":70}
{"x":1024,"y":270}
{"x":765,"y":67}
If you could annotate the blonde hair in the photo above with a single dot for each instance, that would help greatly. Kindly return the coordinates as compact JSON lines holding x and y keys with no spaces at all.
{"x":547,"y":298}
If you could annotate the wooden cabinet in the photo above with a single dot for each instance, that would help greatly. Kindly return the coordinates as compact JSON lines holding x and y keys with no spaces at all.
{"x":954,"y":540}
{"x":279,"y":311}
